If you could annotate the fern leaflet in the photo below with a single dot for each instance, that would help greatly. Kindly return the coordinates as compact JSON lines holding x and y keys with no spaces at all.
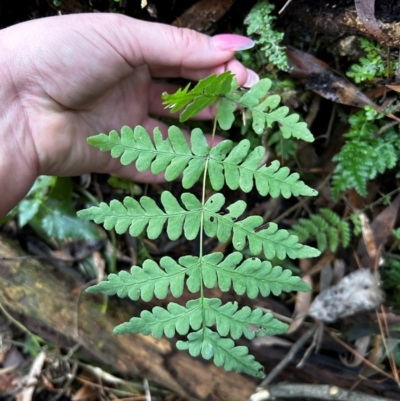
{"x":328,"y":229}
{"x":229,"y":319}
{"x":251,"y":277}
{"x":136,"y":216}
{"x":235,"y":165}
{"x":209,"y":345}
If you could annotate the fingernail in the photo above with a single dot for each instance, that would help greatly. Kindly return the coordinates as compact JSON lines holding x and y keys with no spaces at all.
{"x":252,"y":79}
{"x":231,"y":42}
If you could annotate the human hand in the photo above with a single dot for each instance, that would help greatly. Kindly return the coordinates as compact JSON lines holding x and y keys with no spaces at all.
{"x":66,"y":78}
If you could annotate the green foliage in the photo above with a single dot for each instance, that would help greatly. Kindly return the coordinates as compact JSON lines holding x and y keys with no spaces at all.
{"x":374,"y":63}
{"x":391,"y":274}
{"x":263,"y":108}
{"x":48,"y":209}
{"x":328,"y":229}
{"x":260,"y":22}
{"x":285,"y":148}
{"x":206,"y":322}
{"x":236,"y":166}
{"x":251,"y":277}
{"x":135,"y":216}
{"x":365,"y":154}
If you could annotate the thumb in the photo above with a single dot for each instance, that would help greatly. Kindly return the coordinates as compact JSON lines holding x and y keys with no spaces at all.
{"x":179,"y":52}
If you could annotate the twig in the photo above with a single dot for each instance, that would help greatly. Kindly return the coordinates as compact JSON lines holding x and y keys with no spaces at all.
{"x":289,"y":356}
{"x":316,"y":391}
{"x":32,"y":377}
{"x":16,"y":323}
{"x":146,"y":389}
{"x":284,"y":7}
{"x":366,"y":361}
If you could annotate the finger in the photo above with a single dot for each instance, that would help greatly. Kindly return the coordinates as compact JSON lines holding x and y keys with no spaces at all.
{"x":172,"y":51}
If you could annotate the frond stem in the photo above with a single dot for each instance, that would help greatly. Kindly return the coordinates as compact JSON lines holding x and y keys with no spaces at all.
{"x":203,"y":201}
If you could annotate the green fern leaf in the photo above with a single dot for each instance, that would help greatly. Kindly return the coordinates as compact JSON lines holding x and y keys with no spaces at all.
{"x":165,"y":321}
{"x":265,"y":113}
{"x":234,"y":165}
{"x":327,"y":228}
{"x":135,"y":216}
{"x":237,"y":322}
{"x":251,"y":277}
{"x":223,"y":350}
{"x":272,"y":241}
{"x":180,"y":319}
{"x":205,"y":93}
{"x":146,"y":282}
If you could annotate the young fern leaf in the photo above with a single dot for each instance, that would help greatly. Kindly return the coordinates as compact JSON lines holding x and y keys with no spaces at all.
{"x":251,"y":277}
{"x":236,"y":166}
{"x":136,"y":216}
{"x":328,"y":229}
{"x":209,"y":345}
{"x":204,"y":94}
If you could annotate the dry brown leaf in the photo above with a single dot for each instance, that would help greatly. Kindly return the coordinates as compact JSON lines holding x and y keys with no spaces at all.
{"x":303,"y":302}
{"x":85,"y":393}
{"x":328,"y":83}
{"x":361,"y":346}
{"x":368,"y":236}
{"x":381,"y":227}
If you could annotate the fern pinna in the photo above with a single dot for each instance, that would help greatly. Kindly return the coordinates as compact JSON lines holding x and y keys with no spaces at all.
{"x":209,"y":325}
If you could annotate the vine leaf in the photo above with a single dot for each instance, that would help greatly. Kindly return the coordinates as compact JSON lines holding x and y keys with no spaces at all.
{"x":205,"y":93}
{"x":251,"y":276}
{"x":223,"y":350}
{"x":136,"y":216}
{"x":236,"y":166}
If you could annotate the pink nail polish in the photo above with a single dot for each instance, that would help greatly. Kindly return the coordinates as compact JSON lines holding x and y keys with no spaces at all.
{"x":252,"y":79}
{"x":230,"y":42}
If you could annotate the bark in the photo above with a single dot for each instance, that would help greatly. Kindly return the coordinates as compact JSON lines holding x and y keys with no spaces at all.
{"x":339,"y":18}
{"x":53,"y":305}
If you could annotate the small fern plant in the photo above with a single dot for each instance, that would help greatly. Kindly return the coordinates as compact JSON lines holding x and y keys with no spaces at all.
{"x":208,"y":326}
{"x":260,"y":25}
{"x":366,"y":152}
{"x":328,"y":229}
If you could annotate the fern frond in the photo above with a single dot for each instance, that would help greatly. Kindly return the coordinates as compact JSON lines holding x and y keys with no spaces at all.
{"x":135,"y":216}
{"x":364,"y":154}
{"x":180,"y":319}
{"x":265,"y":112}
{"x":252,"y":276}
{"x":176,"y":318}
{"x":260,"y":22}
{"x":223,"y":351}
{"x":328,"y":229}
{"x":205,"y":93}
{"x":145,"y":282}
{"x":237,"y":322}
{"x":235,"y":165}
